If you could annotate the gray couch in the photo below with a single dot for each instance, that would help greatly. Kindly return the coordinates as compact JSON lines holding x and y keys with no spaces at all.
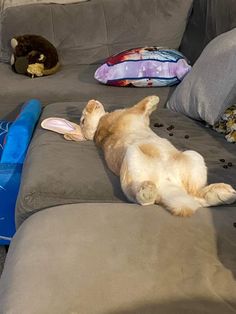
{"x":81,"y":247}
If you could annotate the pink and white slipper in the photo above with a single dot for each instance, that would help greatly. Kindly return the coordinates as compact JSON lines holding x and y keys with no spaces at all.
{"x":70,"y":130}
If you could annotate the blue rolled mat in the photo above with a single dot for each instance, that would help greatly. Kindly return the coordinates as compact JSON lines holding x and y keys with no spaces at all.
{"x":14,"y":152}
{"x":10,"y":176}
{"x":20,"y":133}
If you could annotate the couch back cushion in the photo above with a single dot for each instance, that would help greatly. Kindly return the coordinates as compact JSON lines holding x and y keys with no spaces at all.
{"x":208,"y":19}
{"x":90,"y":31}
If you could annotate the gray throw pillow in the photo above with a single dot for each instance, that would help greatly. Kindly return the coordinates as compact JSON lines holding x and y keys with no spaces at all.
{"x":210,"y":87}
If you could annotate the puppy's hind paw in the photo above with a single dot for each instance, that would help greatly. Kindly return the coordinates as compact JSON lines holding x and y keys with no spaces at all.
{"x":220,"y":193}
{"x":147,"y":193}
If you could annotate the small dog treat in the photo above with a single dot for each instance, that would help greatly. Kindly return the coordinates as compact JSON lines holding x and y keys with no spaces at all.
{"x":171,"y":127}
{"x":222,"y":160}
{"x":230,"y":164}
{"x":171,"y":134}
{"x":225,"y":166}
{"x":186,"y":136}
{"x":158,"y":125}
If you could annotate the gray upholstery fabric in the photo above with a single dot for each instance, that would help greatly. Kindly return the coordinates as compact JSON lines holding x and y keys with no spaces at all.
{"x":71,"y":83}
{"x":98,"y":28}
{"x":13,"y":3}
{"x":10,"y":111}
{"x":209,"y":18}
{"x":2,"y":257}
{"x":59,"y":172}
{"x":121,"y":259}
{"x":210,"y":87}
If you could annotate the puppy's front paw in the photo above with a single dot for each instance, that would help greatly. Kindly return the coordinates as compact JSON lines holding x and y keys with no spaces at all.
{"x":152,"y":102}
{"x":93,"y":105}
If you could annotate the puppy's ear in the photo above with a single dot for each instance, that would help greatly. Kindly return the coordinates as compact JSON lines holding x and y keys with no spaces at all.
{"x":77,"y":137}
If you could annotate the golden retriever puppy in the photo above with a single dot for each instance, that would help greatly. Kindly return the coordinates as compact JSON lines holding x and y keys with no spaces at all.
{"x":151,"y":169}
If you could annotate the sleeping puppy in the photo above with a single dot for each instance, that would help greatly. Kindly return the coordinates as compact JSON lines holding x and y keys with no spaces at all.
{"x":151,"y":169}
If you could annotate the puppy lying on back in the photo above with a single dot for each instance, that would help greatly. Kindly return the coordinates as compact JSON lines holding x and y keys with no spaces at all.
{"x":151,"y":169}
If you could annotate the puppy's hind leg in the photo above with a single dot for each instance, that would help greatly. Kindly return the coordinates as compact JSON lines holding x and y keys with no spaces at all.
{"x":136,"y":182}
{"x":217,"y":194}
{"x":137,"y":191}
{"x":146,"y":193}
{"x":207,"y":195}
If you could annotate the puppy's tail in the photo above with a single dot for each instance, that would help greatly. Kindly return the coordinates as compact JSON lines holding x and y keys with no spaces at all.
{"x":177,"y":201}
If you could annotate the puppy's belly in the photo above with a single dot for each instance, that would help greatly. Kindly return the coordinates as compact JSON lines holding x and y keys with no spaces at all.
{"x":152,"y":160}
{"x":144,"y":150}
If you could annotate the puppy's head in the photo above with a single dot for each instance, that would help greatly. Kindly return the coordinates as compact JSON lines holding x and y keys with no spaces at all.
{"x":91,"y":115}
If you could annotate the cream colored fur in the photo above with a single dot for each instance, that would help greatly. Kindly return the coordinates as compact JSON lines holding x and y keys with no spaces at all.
{"x":151,"y":169}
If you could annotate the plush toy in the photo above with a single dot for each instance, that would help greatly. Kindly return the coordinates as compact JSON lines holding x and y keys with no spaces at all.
{"x":33,"y":55}
{"x":227,"y":124}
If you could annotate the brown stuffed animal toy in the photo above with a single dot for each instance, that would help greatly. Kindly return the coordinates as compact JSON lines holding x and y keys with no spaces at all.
{"x":33,"y":55}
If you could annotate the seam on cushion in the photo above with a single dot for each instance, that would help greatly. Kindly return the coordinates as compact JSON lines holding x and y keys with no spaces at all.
{"x":2,"y":5}
{"x":3,"y":51}
{"x":219,"y":297}
{"x":22,"y":216}
{"x":53,"y":32}
{"x":105,"y":21}
{"x":66,"y":200}
{"x":63,"y":8}
{"x":35,"y":195}
{"x":1,"y":16}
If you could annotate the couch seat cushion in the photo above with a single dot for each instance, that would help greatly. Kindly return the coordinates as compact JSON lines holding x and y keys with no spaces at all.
{"x":58,"y":172}
{"x":121,"y":259}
